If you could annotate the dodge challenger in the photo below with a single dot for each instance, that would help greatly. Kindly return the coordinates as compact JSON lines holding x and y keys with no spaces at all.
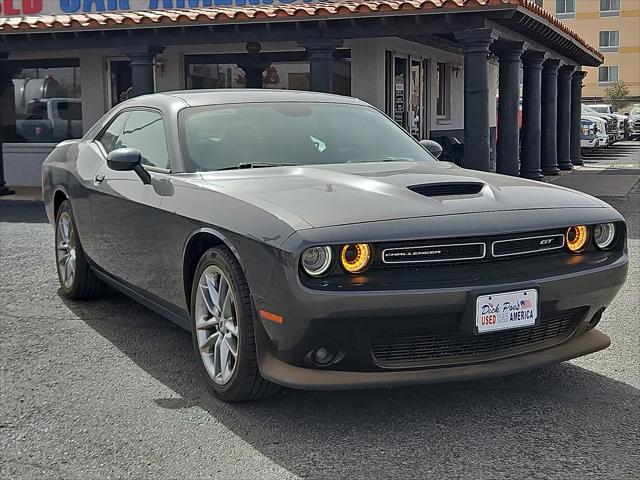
{"x":306,"y":240}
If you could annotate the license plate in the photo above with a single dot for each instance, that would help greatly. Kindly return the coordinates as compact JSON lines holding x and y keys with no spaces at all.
{"x":502,"y":311}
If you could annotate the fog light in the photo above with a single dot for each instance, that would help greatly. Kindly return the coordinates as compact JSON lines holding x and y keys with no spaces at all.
{"x":355,"y":258}
{"x":595,"y":319}
{"x":324,"y":355}
{"x":577,"y":238}
{"x":603,"y":235}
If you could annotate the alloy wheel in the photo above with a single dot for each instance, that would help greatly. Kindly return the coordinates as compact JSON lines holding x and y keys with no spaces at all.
{"x":217,"y":324}
{"x":66,"y":250}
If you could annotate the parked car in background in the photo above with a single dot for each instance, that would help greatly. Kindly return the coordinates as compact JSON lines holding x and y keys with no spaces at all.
{"x":601,"y":127}
{"x":611,"y":121}
{"x":634,"y":121}
{"x":623,"y":120}
{"x":589,"y":135}
{"x":51,"y":120}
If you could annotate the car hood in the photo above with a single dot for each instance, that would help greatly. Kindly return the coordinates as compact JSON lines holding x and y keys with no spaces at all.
{"x":328,"y":195}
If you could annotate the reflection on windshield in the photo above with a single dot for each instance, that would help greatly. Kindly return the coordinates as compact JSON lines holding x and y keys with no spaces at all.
{"x":291,"y":133}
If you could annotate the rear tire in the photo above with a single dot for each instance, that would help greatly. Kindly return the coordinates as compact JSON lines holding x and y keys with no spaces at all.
{"x":223,"y":318}
{"x":77,"y":280}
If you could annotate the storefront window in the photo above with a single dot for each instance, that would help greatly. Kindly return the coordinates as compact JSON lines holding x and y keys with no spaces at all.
{"x":443,"y":81}
{"x":280,"y":75}
{"x":43,"y":104}
{"x":289,"y":76}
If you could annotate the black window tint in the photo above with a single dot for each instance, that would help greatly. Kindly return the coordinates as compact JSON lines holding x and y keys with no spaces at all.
{"x":36,"y":110}
{"x":144,"y":130}
{"x":110,"y":136}
{"x":70,"y":110}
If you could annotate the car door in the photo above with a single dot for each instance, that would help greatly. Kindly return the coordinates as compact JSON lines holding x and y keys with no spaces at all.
{"x":127,"y":218}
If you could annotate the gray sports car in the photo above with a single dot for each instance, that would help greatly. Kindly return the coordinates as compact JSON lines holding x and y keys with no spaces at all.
{"x":306,"y":240}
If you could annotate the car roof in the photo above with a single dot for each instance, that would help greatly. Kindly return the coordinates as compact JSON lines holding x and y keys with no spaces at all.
{"x":194,"y":98}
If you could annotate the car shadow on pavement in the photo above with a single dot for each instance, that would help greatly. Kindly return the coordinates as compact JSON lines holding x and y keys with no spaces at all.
{"x":22,"y":212}
{"x":563,"y":421}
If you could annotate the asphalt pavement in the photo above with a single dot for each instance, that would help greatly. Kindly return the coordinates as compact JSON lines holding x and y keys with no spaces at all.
{"x":108,"y":389}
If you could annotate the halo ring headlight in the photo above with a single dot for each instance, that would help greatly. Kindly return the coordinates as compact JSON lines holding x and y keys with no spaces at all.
{"x":576,"y":238}
{"x":355,"y":257}
{"x":604,"y":235}
{"x":316,"y":261}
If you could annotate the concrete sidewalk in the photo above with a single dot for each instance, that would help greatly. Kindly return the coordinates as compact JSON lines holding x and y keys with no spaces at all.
{"x":612,"y":172}
{"x":23,"y":194}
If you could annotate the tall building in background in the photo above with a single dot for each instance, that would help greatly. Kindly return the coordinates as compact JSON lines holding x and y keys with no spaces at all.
{"x":612,"y":25}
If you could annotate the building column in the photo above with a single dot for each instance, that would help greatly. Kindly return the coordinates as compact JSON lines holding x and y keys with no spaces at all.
{"x":531,"y":114}
{"x":509,"y":54}
{"x":320,"y":60}
{"x":254,"y":66}
{"x":549,"y":147}
{"x":564,"y":117}
{"x":7,"y":115}
{"x":141,"y":57}
{"x":477,"y":143}
{"x":576,"y":115}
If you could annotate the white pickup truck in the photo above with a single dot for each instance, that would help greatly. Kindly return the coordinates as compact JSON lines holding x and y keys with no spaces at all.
{"x":51,"y":120}
{"x":623,"y":122}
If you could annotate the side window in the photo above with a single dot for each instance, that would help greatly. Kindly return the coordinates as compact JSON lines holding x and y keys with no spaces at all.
{"x":110,"y":136}
{"x":144,"y":130}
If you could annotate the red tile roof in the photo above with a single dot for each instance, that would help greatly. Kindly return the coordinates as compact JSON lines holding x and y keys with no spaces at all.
{"x":260,"y":13}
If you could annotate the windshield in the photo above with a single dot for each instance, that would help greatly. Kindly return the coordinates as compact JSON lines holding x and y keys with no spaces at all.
{"x":291,"y":133}
{"x":600,"y":108}
{"x":588,"y":110}
{"x":635,"y":110}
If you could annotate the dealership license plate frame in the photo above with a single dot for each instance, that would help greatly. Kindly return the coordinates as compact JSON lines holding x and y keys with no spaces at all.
{"x":499,"y":300}
{"x":468,"y":322}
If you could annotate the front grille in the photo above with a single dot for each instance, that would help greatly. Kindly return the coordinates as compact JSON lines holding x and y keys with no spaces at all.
{"x":449,"y":346}
{"x":523,"y":246}
{"x":454,"y":251}
{"x":435,"y":253}
{"x":446,"y":189}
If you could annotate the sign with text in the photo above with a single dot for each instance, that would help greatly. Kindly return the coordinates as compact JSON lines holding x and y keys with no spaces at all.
{"x":18,"y":8}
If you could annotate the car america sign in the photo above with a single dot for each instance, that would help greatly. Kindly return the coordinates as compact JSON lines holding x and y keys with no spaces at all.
{"x":16,"y":8}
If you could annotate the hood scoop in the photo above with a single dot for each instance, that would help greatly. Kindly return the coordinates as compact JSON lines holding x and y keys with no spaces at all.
{"x":443,"y":189}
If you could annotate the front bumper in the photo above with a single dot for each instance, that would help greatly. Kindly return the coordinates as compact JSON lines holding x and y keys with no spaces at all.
{"x":312,"y":379}
{"x":349,"y":321}
{"x":589,"y":143}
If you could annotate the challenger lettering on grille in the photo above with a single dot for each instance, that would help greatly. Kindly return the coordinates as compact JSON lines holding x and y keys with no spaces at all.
{"x":434,"y":253}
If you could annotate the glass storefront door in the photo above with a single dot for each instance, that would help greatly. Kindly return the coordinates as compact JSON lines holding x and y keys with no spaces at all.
{"x":416,"y":99}
{"x":120,"y":83}
{"x":407,"y":88}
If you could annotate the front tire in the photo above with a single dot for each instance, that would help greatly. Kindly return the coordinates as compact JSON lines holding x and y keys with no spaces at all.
{"x":223,"y":329}
{"x":77,"y":280}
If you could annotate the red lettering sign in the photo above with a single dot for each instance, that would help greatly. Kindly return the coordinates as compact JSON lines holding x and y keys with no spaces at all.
{"x":29,"y":7}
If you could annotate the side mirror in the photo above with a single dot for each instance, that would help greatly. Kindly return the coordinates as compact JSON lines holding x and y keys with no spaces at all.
{"x":434,"y":148}
{"x":128,"y":159}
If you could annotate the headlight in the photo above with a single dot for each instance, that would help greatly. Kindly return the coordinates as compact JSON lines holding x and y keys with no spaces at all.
{"x":585,"y":129}
{"x":603,"y":235}
{"x":577,"y":238}
{"x":355,"y":258}
{"x":316,"y":261}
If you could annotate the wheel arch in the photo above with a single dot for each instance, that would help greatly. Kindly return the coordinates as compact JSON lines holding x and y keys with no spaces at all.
{"x":58,"y":197}
{"x":199,"y":242}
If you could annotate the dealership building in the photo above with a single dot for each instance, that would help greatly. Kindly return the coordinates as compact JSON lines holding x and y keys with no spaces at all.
{"x":451,"y":70}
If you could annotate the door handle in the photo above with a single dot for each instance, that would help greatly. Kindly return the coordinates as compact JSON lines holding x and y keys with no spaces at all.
{"x":98,"y":179}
